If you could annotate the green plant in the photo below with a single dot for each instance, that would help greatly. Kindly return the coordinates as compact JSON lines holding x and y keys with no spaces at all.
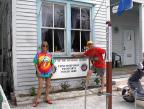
{"x":32,"y":91}
{"x":97,"y":80}
{"x":1,"y":100}
{"x":83,"y":83}
{"x":65,"y":86}
{"x":1,"y":97}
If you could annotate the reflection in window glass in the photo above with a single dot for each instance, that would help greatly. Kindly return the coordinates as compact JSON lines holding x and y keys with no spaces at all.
{"x":47,"y":15}
{"x":55,"y":39}
{"x":75,"y":41}
{"x":59,"y":16}
{"x":75,"y":17}
{"x":80,"y":20}
{"x":53,"y":26}
{"x":48,"y":36}
{"x":85,"y":18}
{"x":85,"y":36}
{"x":58,"y":40}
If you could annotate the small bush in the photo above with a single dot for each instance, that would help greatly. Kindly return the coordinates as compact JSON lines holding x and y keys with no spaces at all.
{"x":65,"y":86}
{"x":32,"y":91}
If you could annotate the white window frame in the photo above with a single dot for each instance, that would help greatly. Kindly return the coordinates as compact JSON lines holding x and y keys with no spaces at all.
{"x":81,"y":30}
{"x":67,"y":29}
{"x":56,"y":28}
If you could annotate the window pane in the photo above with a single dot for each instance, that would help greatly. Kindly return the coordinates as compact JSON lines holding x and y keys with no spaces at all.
{"x":47,"y":36}
{"x":75,"y":41}
{"x":85,"y":18}
{"x":47,"y":15}
{"x":75,"y":18}
{"x":59,"y":40}
{"x":85,"y":36}
{"x":59,"y":16}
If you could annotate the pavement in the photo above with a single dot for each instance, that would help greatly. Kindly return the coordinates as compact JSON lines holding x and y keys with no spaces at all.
{"x":93,"y":102}
{"x":78,"y":100}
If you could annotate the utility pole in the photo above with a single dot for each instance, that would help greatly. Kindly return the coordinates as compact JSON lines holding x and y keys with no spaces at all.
{"x":109,"y":65}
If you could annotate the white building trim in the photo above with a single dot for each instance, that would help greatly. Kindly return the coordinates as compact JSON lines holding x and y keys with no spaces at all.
{"x":14,"y":43}
{"x":108,"y":10}
{"x":138,"y":1}
{"x":141,"y":23}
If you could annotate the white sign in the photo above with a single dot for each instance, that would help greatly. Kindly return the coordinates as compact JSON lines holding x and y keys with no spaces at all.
{"x":70,"y":67}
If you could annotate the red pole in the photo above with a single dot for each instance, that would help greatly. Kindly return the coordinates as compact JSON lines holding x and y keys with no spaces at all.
{"x":109,"y":84}
{"x":109,"y":66}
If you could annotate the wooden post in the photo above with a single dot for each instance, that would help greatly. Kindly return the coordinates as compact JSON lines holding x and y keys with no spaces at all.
{"x":109,"y":66}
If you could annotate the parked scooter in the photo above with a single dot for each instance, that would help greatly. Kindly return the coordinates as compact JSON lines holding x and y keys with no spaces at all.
{"x":134,"y":89}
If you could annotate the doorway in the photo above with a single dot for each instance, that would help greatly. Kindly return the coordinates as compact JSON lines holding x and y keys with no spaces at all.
{"x":128,"y":47}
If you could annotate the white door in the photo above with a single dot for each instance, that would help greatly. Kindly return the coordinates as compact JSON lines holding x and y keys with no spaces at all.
{"x":129,"y":47}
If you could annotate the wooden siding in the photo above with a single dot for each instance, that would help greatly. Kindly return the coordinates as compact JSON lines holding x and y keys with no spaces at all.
{"x":26,"y":39}
{"x":25,"y":43}
{"x":99,"y":19}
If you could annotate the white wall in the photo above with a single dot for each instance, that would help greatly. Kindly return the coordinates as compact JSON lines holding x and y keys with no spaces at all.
{"x":141,"y":26}
{"x":99,"y":25}
{"x":25,"y":41}
{"x":138,"y":1}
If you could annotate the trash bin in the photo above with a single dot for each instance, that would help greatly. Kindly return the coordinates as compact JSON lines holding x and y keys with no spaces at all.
{"x":1,"y":100}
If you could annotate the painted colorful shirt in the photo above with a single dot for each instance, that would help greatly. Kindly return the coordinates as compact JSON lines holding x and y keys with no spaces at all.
{"x":44,"y":62}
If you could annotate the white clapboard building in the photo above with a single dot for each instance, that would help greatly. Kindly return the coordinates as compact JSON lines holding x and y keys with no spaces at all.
{"x":66,"y":25}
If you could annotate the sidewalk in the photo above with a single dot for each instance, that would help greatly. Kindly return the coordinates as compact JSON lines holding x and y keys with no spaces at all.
{"x":93,"y":102}
{"x":76,"y":99}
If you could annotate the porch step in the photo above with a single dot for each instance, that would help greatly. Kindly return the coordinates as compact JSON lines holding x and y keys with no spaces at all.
{"x":56,"y":96}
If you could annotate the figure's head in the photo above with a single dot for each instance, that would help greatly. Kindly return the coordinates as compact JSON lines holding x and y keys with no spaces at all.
{"x":44,"y":46}
{"x":141,"y":65}
{"x":89,"y":44}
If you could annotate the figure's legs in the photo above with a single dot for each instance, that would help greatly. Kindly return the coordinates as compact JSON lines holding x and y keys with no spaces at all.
{"x":102,"y":80}
{"x":101,"y":73}
{"x":39,"y":90}
{"x":48,"y":85}
{"x":89,"y":73}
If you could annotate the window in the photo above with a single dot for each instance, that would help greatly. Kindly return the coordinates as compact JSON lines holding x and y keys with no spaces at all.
{"x":53,"y":26}
{"x":80,"y":28}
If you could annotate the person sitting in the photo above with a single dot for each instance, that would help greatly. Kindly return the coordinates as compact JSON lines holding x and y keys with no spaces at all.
{"x":134,"y":80}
